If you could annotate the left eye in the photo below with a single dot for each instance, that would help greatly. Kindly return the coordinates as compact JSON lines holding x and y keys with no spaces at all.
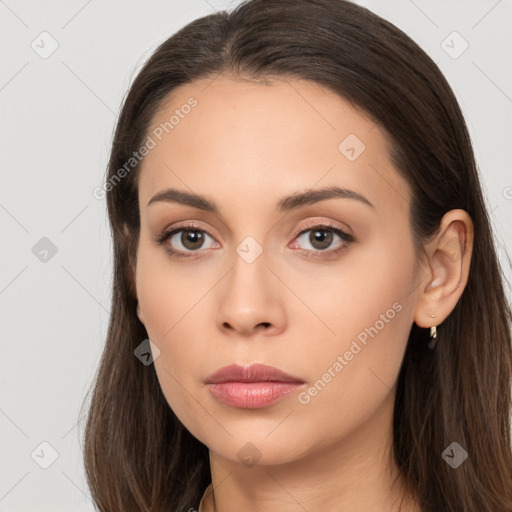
{"x":321,"y":238}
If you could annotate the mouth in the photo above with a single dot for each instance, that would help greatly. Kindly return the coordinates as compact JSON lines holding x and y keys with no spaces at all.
{"x":252,"y":387}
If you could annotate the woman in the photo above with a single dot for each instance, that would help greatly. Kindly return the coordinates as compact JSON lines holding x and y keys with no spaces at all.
{"x":300,"y":231}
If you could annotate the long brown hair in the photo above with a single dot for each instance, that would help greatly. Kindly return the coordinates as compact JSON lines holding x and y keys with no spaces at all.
{"x":137,"y":454}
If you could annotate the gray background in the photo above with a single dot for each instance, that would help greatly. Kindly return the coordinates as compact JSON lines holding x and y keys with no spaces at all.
{"x":58,"y":114}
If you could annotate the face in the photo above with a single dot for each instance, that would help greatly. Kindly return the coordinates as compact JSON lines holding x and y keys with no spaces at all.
{"x":320,"y":287}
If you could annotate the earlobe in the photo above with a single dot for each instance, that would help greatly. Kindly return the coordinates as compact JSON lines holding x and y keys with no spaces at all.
{"x":449,"y":256}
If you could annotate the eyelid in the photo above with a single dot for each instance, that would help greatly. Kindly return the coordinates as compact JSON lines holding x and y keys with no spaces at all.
{"x":194,"y":225}
{"x":169,"y":232}
{"x":191,"y":225}
{"x":347,"y":240}
{"x":347,"y":237}
{"x":324,"y":224}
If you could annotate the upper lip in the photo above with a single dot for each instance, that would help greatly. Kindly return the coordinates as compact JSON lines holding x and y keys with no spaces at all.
{"x":256,"y":372}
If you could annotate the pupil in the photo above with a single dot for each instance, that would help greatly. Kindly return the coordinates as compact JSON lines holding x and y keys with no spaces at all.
{"x":192,"y":239}
{"x":321,"y":237}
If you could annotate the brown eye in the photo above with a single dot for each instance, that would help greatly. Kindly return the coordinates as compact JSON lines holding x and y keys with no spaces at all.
{"x":192,"y":240}
{"x":184,"y":241}
{"x":320,"y":241}
{"x":320,"y":238}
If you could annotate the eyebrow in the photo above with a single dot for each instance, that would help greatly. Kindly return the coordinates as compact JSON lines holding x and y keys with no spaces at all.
{"x":285,"y":204}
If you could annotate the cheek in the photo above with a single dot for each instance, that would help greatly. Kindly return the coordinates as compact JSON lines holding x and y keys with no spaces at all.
{"x":164,"y":292}
{"x":351,"y":379}
{"x":366,"y":296}
{"x":172,"y":303}
{"x":369,"y":307}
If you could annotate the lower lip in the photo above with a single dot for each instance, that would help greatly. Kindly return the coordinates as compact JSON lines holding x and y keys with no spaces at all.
{"x":252,"y":395}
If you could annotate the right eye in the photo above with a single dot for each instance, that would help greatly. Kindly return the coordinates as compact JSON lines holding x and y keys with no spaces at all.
{"x":183,"y":241}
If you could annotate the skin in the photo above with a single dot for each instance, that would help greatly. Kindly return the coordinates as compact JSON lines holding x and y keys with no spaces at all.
{"x":245,"y":146}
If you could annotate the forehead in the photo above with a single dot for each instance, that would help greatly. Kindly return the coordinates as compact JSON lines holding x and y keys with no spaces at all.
{"x":247,"y":141}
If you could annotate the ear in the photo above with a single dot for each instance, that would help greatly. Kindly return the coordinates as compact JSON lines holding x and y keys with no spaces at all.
{"x":132,"y":270}
{"x":139,"y":314}
{"x":445,"y":274}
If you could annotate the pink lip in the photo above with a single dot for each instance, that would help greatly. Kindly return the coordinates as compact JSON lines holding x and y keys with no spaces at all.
{"x":251,"y":387}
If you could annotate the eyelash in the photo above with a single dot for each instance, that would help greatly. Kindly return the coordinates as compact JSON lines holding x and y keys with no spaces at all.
{"x":347,"y":238}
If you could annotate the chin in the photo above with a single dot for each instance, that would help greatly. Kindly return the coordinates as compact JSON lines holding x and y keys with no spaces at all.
{"x":258,"y":448}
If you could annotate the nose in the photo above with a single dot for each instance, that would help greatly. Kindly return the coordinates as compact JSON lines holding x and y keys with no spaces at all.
{"x":251,"y":300}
